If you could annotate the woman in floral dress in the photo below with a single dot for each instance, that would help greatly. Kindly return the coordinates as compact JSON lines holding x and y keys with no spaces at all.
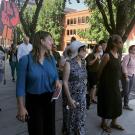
{"x":75,"y":85}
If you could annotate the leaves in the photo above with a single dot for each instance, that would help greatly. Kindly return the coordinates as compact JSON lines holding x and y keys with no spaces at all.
{"x":117,"y":15}
{"x":51,"y":18}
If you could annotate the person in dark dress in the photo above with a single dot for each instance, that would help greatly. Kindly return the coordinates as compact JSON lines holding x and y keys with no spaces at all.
{"x":109,"y":97}
{"x":93,"y":60}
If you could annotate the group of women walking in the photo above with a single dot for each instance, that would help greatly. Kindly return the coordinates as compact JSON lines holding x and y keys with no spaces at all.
{"x":38,"y":79}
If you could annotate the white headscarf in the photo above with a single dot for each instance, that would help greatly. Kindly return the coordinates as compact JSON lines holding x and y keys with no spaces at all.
{"x":74,"y":46}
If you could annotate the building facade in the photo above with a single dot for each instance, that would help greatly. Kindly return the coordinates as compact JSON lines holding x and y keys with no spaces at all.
{"x":74,"y":22}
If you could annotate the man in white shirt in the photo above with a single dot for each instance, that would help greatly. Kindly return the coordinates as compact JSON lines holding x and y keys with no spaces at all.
{"x":24,"y":48}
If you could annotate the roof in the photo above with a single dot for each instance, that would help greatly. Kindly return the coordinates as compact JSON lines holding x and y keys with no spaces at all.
{"x":68,"y":10}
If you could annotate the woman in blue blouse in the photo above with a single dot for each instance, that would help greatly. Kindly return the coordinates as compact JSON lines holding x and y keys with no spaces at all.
{"x":37,"y":78}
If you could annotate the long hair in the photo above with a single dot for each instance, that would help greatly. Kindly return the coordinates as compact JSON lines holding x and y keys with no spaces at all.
{"x":37,"y":44}
{"x":110,"y":44}
{"x":96,"y":47}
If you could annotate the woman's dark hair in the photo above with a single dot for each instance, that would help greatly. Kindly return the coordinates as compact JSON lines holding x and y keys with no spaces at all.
{"x":81,"y":48}
{"x":101,"y":42}
{"x":130,"y":48}
{"x":110,"y":44}
{"x":73,"y":39}
{"x":95,"y":48}
{"x":69,"y":52}
{"x":37,"y":44}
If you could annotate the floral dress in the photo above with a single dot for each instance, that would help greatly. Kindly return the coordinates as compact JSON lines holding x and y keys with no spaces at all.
{"x":77,"y":87}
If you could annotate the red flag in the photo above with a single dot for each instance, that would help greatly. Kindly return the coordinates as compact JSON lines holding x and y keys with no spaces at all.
{"x":9,"y":18}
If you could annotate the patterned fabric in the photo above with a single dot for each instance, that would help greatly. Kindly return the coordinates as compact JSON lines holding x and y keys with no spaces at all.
{"x":77,"y":87}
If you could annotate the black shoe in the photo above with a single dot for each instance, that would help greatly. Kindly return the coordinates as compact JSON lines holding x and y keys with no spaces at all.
{"x":94,"y":101}
{"x":127,"y":108}
{"x":87,"y":107}
{"x":0,"y":109}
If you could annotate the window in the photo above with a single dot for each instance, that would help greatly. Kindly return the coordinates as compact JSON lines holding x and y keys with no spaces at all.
{"x":68,"y":32}
{"x":74,"y":32}
{"x":83,"y":19}
{"x":79,"y":20}
{"x":68,"y":21}
{"x":87,"y":19}
{"x":71,"y":21}
{"x":71,"y":32}
{"x":74,"y":20}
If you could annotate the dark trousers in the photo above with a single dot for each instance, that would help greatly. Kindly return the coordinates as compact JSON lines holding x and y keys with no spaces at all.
{"x":41,"y":114}
{"x":127,"y":87}
{"x":65,"y":113}
{"x":13,"y":66}
{"x":1,"y":74}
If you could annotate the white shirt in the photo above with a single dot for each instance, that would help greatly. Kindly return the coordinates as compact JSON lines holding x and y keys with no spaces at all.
{"x":23,"y":50}
{"x":128,"y":65}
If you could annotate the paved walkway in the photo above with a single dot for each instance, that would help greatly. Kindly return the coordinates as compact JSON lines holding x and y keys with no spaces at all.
{"x":10,"y":126}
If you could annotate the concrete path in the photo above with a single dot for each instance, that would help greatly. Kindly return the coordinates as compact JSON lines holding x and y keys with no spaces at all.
{"x":10,"y":126}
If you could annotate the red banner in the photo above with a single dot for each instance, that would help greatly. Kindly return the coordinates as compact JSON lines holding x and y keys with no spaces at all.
{"x":9,"y":18}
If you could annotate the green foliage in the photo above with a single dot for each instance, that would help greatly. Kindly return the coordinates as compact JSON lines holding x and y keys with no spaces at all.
{"x":51,"y":18}
{"x":97,"y":30}
{"x":27,"y":18}
{"x":117,"y":15}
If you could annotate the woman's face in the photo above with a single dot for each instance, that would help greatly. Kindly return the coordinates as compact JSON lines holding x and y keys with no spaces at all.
{"x":133,"y":50}
{"x":99,"y":49}
{"x":47,"y":43}
{"x":82,"y":53}
{"x":119,"y":43}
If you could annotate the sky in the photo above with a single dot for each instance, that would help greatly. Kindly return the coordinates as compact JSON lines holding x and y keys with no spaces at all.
{"x":75,"y":5}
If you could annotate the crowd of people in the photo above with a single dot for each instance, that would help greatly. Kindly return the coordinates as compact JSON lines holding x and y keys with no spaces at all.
{"x":86,"y":79}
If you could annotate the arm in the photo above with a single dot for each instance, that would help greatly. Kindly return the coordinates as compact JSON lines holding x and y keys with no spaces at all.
{"x":103,"y":63}
{"x":124,"y":65}
{"x":66,"y":74}
{"x":57,"y":82}
{"x":20,"y":88}
{"x":19,"y":53}
{"x":91,"y":59}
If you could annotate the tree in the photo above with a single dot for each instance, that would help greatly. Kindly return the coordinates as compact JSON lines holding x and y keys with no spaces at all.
{"x":51,"y":18}
{"x":118,"y":15}
{"x":29,"y":26}
{"x":97,"y":31}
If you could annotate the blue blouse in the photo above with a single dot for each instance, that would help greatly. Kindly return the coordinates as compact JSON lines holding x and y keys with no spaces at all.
{"x":36,"y":78}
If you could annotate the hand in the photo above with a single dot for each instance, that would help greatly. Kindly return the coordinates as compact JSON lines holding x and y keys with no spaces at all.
{"x":21,"y":114}
{"x":97,"y":56}
{"x":72,"y":103}
{"x":58,"y":85}
{"x":127,"y":79}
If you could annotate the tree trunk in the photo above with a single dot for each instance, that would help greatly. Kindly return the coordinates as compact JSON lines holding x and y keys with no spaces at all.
{"x":122,"y":18}
{"x":30,"y":28}
{"x":35,"y":19}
